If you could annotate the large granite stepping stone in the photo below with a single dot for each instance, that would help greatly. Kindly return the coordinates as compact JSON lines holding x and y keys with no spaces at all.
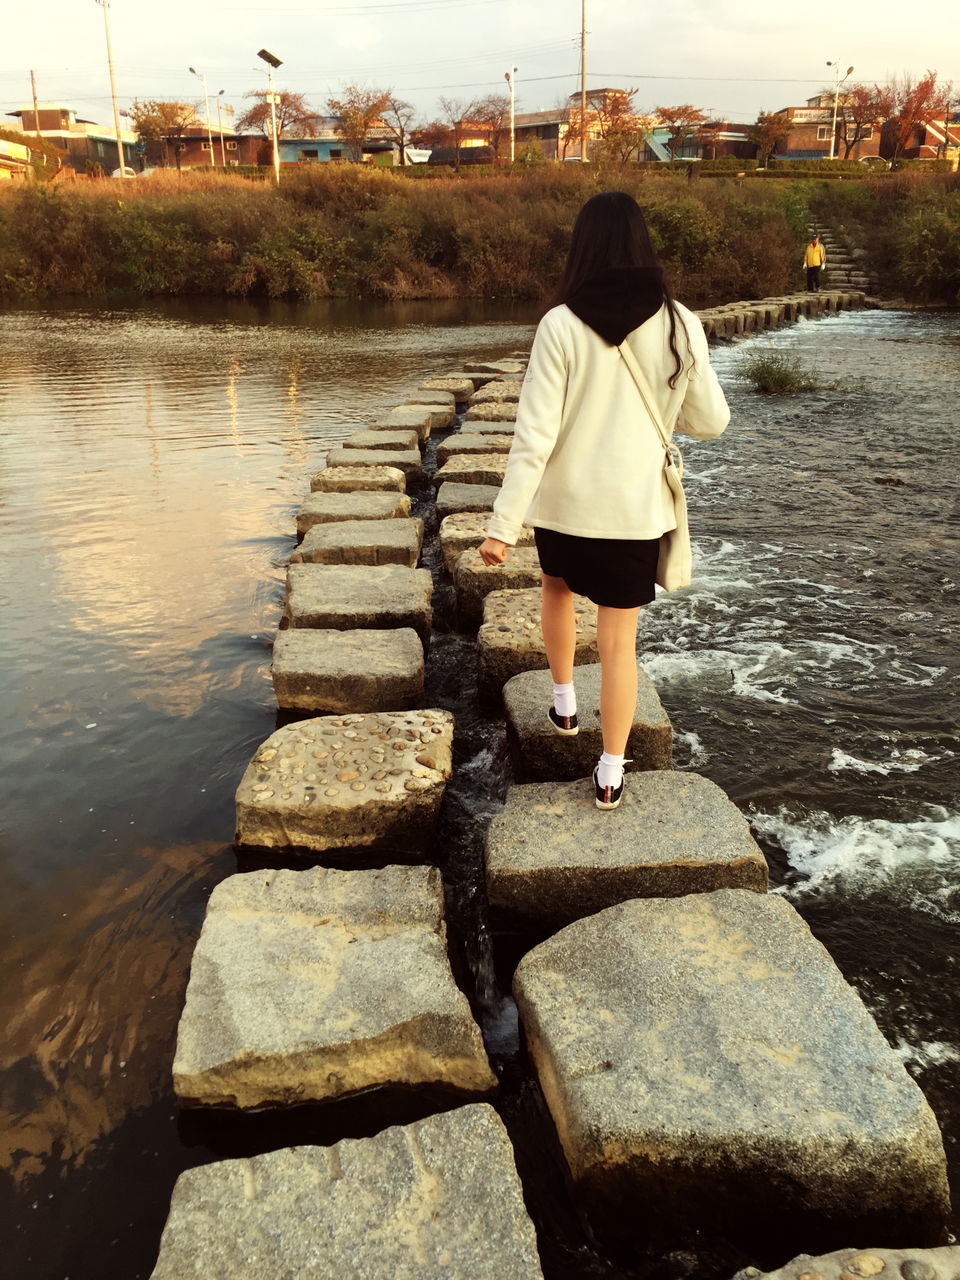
{"x":460,"y":386}
{"x":347,"y":671}
{"x":494,"y":428}
{"x":422,"y":418}
{"x":362,"y":542}
{"x":510,"y":641}
{"x":494,"y":392}
{"x":345,"y":596}
{"x":465,"y":531}
{"x":400,"y":441}
{"x":444,"y":398}
{"x":543,"y":755}
{"x":287,"y":1001}
{"x":372,"y":781}
{"x":406,"y":460}
{"x":435,"y":1200}
{"x":474,"y":580}
{"x":485,"y":442}
{"x":497,"y":411}
{"x":480,"y":468}
{"x":552,"y":857}
{"x":323,"y":507}
{"x":504,"y":368}
{"x":454,"y":497}
{"x":888,"y":1264}
{"x":703,"y":1057}
{"x":353,"y":479}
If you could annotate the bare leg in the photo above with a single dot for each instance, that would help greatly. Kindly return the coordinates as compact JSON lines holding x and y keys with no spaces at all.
{"x":617,"y":642}
{"x":559,"y":629}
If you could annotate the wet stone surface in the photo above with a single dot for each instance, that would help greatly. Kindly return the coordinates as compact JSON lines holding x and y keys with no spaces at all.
{"x":357,"y":479}
{"x":474,"y":580}
{"x":346,"y":596}
{"x":502,"y":368}
{"x":465,"y":531}
{"x":497,"y":411}
{"x":362,"y":542}
{"x":364,"y":781}
{"x":458,"y":384}
{"x":481,"y":468}
{"x":399,"y":441}
{"x":509,"y":640}
{"x":486,"y":442}
{"x":852,"y":1264}
{"x":330,"y":507}
{"x":331,"y":672}
{"x":422,"y":418}
{"x":446,"y":399}
{"x":454,"y":497}
{"x":493,"y":428}
{"x":493,"y":392}
{"x":406,"y":460}
{"x":288,"y":1003}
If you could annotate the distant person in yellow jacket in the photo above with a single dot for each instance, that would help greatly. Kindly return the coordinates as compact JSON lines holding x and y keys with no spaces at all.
{"x":813,"y":259}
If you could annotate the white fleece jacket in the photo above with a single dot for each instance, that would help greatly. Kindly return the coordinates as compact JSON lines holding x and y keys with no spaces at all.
{"x":586,"y":458}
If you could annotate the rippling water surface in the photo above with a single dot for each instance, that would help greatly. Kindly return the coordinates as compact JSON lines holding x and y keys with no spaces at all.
{"x":152,"y":460}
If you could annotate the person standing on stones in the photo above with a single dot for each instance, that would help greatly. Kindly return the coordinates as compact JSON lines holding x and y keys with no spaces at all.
{"x":586,"y":468}
{"x":813,"y":259}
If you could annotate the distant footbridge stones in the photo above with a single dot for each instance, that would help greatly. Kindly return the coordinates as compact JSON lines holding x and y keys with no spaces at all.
{"x":697,"y":1049}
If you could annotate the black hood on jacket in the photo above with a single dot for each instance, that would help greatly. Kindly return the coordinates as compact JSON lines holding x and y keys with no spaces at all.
{"x":618,"y":300}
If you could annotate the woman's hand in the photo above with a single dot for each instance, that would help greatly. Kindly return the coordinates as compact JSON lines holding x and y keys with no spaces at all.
{"x":493,"y":551}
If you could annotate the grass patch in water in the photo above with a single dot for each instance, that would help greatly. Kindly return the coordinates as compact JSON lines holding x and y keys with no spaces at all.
{"x":777,"y":375}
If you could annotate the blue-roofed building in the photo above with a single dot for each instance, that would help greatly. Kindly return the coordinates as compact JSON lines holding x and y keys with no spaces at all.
{"x":325,"y":145}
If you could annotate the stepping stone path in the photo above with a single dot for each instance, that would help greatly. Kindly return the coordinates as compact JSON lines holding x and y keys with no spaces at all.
{"x":406,"y":460}
{"x":337,"y":672}
{"x":422,"y":418}
{"x":362,"y":542}
{"x":328,"y":508}
{"x":495,"y":392}
{"x":435,"y":1200}
{"x":706,"y":1052}
{"x":482,"y":442}
{"x":474,"y":580}
{"x":342,"y":596}
{"x":550,"y":859}
{"x":501,"y":368}
{"x":481,"y":468}
{"x":445,"y":398}
{"x":465,"y":531}
{"x":401,"y":441}
{"x":541,"y":754}
{"x":321,"y":942}
{"x":454,"y":497}
{"x":459,"y":385}
{"x":371,"y":781}
{"x":493,"y":428}
{"x":357,"y":479}
{"x":496,"y":411}
{"x":510,"y":641}
{"x":851,"y":1264}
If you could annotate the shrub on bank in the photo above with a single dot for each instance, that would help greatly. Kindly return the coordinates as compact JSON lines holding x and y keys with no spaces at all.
{"x":774,"y":374}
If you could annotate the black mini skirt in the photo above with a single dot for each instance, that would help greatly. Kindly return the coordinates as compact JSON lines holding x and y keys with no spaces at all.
{"x":618,"y":573}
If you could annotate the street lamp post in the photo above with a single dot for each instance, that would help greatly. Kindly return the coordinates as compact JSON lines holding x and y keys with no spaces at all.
{"x":223,"y":153}
{"x":509,"y":77}
{"x":836,"y":103}
{"x":113,"y":87}
{"x":272,"y":62}
{"x":206,"y":110}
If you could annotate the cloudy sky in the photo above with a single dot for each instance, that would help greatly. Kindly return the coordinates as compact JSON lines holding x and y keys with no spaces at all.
{"x":730,"y":57}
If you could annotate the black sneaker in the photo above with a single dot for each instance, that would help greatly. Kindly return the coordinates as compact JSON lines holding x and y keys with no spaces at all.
{"x":606,"y":797}
{"x":566,"y":726}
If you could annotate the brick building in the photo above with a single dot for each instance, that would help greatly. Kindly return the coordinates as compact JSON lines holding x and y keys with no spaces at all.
{"x":87,"y":146}
{"x":812,"y":125}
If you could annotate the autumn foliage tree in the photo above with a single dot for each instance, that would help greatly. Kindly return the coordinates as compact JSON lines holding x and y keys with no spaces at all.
{"x":398,"y":118}
{"x":767,"y":133}
{"x":684,"y":122}
{"x":906,"y":105}
{"x":160,"y":123}
{"x":295,"y":118}
{"x":357,"y":111}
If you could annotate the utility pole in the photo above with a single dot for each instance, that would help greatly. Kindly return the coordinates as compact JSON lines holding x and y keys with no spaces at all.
{"x":223,"y":153}
{"x":509,"y":77}
{"x":206,"y":110}
{"x":36,"y":108}
{"x":272,"y":62}
{"x":583,"y":81}
{"x":104,"y":5}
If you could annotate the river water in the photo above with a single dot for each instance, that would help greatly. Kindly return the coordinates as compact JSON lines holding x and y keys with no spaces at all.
{"x":152,"y":462}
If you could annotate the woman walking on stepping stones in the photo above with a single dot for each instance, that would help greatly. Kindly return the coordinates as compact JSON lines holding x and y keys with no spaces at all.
{"x":586,"y":468}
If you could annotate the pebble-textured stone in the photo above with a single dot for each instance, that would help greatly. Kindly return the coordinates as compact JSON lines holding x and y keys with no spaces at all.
{"x":479,"y":468}
{"x":362,"y":542}
{"x":485,"y":442}
{"x":493,"y":392}
{"x":435,"y":1200}
{"x":704,"y":1054}
{"x":454,"y":497}
{"x":338,"y":672}
{"x":406,"y":460}
{"x":889,"y":1264}
{"x":422,"y":418}
{"x":287,"y":1001}
{"x":474,"y":580}
{"x":465,"y":531}
{"x":542,"y":755}
{"x":496,"y":428}
{"x":372,"y":781}
{"x":445,"y":398}
{"x":498,"y":411}
{"x":502,"y":368}
{"x":510,"y":641}
{"x":395,"y":441}
{"x":458,"y":384}
{"x":552,"y":859}
{"x":323,"y":507}
{"x":353,"y":479}
{"x":345,"y":596}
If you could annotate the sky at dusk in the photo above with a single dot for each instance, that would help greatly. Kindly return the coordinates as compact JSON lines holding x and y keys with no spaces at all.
{"x":730,"y":58}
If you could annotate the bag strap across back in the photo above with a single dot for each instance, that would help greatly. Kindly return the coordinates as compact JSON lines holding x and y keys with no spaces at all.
{"x":646,"y":395}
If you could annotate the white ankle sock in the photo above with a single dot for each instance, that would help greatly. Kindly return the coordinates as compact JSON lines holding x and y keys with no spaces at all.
{"x":610,"y":770}
{"x":564,"y":700}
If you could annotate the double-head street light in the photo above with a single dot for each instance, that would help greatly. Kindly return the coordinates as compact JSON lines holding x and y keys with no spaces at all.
{"x":836,"y":102}
{"x":206,"y":110}
{"x":510,"y":77}
{"x":273,"y":98}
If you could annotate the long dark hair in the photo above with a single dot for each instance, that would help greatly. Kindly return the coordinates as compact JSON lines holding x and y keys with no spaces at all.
{"x":611,"y":231}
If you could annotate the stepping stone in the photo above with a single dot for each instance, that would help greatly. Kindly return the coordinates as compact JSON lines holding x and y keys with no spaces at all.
{"x":406,"y":460}
{"x":343,"y":597}
{"x":465,"y":531}
{"x":509,"y":641}
{"x":498,"y":411}
{"x":911,"y":1264}
{"x":362,"y":542}
{"x":445,"y":398}
{"x":704,"y":1055}
{"x":480,"y":468}
{"x":422,"y":418}
{"x":287,"y":1001}
{"x":492,"y":428}
{"x":482,"y":442}
{"x":354,"y":479}
{"x":474,"y":580}
{"x":453,"y":498}
{"x":329,"y":507}
{"x":435,"y":1200}
{"x":495,"y":392}
{"x":502,"y":367}
{"x":458,"y":384}
{"x":542,"y":755}
{"x":371,"y":781}
{"x":338,"y":672}
{"x":404,"y":441}
{"x":552,"y":857}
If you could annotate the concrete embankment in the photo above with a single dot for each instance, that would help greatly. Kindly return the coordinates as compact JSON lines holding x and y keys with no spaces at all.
{"x":700,"y":1055}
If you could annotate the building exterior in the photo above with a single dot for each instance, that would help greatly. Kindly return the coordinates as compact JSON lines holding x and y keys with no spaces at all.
{"x":811,"y":127}
{"x":14,"y":160}
{"x":325,"y":145}
{"x":87,"y":146}
{"x":192,"y":148}
{"x":927,"y":140}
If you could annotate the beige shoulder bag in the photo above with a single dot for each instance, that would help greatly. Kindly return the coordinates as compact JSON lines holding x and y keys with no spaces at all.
{"x":674,"y":565}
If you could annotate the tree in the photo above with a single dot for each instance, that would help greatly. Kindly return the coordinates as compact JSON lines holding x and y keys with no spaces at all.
{"x":357,"y":110}
{"x":398,"y":117}
{"x":622,"y":131}
{"x":907,"y":106}
{"x":294,"y":118}
{"x":684,"y":122}
{"x":493,"y":114}
{"x":431,"y":135}
{"x":860,"y":109}
{"x":457,"y":116}
{"x":768,"y":132}
{"x":160,"y":123}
